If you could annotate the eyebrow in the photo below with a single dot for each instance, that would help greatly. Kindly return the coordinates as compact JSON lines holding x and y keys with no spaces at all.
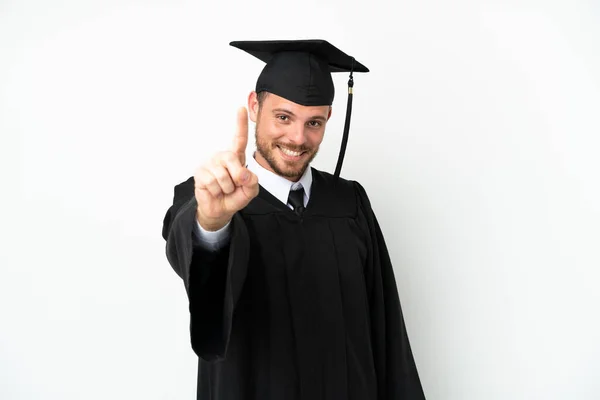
{"x":314,"y":117}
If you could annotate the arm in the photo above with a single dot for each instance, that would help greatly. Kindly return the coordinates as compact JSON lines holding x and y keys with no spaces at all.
{"x":213,"y":279}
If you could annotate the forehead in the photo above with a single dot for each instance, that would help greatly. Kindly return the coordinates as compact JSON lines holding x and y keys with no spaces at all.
{"x":273,"y":101}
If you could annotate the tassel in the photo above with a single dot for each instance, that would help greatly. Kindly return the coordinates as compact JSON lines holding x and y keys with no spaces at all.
{"x":338,"y":168}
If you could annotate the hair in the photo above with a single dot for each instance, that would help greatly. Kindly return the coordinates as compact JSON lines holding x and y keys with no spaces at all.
{"x":261,"y":96}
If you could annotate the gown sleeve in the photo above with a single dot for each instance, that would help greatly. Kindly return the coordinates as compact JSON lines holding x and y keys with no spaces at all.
{"x":397,"y":375}
{"x":213,"y":280}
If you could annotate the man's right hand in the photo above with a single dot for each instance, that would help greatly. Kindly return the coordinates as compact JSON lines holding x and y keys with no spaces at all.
{"x":224,"y":185}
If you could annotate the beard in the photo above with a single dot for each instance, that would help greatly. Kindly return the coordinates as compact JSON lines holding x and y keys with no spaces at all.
{"x":282,"y":167}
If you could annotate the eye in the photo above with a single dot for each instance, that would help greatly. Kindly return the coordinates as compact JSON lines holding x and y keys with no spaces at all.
{"x":314,"y":124}
{"x":283,"y":118}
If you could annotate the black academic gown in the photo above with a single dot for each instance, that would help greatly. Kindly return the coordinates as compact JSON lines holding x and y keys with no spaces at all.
{"x":294,"y":308}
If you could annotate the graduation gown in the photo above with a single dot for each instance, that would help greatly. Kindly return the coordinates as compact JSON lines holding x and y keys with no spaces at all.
{"x":294,"y":307}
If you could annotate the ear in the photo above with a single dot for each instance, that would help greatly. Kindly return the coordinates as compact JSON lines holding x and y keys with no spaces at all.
{"x":253,"y":106}
{"x":329,"y":115}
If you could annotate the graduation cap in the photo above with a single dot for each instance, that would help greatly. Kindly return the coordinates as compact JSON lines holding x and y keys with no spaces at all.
{"x":300,"y":71}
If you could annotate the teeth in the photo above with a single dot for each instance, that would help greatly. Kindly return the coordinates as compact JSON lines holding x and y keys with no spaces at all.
{"x":291,"y":153}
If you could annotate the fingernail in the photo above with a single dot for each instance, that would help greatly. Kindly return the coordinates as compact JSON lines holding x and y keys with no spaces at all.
{"x":245,"y":176}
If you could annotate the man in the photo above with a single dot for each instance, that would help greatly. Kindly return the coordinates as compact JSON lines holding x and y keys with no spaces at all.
{"x":291,"y":290}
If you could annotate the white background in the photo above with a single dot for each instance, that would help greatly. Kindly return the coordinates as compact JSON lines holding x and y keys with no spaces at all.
{"x":476,"y":135}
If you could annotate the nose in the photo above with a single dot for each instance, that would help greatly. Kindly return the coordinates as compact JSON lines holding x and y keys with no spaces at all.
{"x":297,"y":134}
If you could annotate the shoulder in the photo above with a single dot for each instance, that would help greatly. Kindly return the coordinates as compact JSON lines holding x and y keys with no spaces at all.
{"x":337,"y":183}
{"x":343,"y":189}
{"x":184,"y":189}
{"x":183,"y":193}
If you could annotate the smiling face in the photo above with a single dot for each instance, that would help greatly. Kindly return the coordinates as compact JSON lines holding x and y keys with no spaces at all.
{"x":288,"y":135}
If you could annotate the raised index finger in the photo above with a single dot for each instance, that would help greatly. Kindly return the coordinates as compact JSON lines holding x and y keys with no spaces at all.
{"x":240,"y":141}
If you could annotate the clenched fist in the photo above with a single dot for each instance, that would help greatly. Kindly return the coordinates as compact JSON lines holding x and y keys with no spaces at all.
{"x":224,"y":185}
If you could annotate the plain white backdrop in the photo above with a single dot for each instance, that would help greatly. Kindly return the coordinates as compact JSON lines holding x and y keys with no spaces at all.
{"x":476,"y":135}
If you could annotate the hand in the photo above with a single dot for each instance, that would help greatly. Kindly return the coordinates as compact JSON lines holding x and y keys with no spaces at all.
{"x":223,"y":186}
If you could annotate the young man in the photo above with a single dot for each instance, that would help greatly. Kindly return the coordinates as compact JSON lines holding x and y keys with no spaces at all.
{"x":291,"y":290}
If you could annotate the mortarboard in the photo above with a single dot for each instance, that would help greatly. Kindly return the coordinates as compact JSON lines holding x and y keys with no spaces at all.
{"x":300,"y":71}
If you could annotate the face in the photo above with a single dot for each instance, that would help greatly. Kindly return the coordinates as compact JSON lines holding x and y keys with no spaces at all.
{"x":288,"y":135}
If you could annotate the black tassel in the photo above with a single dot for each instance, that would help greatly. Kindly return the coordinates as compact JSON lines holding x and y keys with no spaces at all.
{"x":338,"y":168}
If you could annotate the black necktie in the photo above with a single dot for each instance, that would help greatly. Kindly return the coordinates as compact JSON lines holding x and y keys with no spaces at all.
{"x":296,"y":199}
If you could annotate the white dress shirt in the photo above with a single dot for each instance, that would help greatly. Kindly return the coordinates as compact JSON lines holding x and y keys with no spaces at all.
{"x":277,"y":185}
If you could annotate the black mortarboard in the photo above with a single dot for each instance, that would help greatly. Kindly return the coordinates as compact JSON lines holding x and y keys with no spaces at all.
{"x":300,"y":71}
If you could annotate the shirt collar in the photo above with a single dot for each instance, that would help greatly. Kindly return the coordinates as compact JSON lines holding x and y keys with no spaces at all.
{"x":277,"y":185}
